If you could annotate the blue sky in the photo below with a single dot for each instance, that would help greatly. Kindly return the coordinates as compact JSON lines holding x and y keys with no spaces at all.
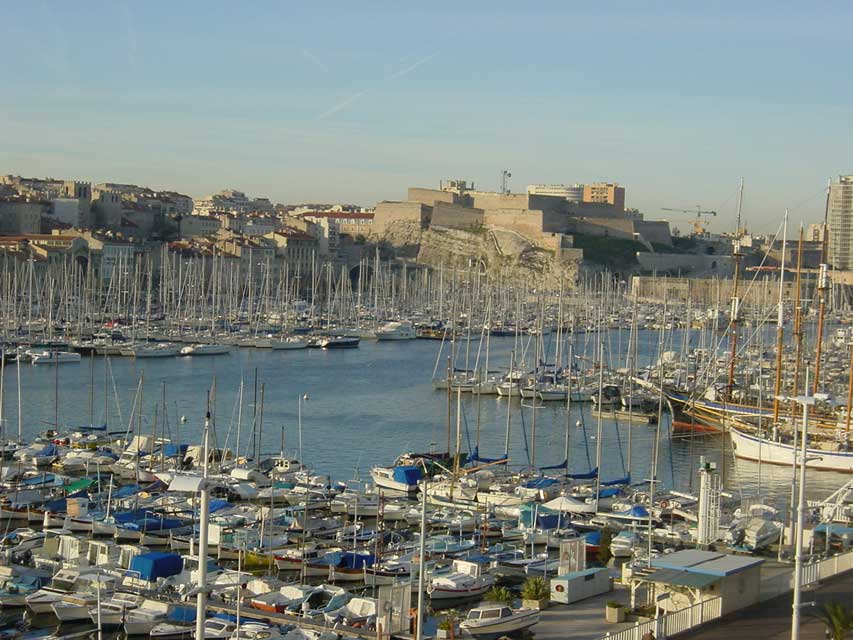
{"x":346,"y":101}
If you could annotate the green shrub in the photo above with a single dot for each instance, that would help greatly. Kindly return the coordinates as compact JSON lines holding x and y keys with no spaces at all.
{"x":535,"y":589}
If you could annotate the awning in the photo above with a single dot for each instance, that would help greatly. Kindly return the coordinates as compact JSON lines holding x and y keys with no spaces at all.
{"x":681,"y":578}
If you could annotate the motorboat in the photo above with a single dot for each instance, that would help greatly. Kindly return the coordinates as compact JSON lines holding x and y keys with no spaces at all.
{"x":465,"y":580}
{"x":206,"y":350}
{"x":65,"y":582}
{"x":357,"y":611}
{"x":54,"y":357}
{"x":338,"y":342}
{"x":492,"y":621}
{"x":74,"y":606}
{"x":403,"y":479}
{"x":113,"y":611}
{"x":140,"y":621}
{"x":623,"y":543}
{"x":291,"y":343}
{"x":396,"y":331}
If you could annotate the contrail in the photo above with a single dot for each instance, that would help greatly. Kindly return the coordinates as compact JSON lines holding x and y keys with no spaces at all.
{"x":341,"y":105}
{"x":317,"y":62}
{"x":407,"y":70}
{"x":359,"y":94}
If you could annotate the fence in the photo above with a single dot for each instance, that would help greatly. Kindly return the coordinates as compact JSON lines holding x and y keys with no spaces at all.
{"x":672,"y":624}
{"x":813,"y":572}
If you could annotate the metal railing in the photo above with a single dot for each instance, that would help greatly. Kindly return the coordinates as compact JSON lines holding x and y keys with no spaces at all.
{"x":671,"y":624}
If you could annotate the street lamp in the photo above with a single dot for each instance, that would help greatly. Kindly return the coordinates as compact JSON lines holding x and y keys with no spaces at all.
{"x":302,"y":398}
{"x":806,"y":401}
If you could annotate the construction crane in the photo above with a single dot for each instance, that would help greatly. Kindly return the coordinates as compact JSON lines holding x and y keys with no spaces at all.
{"x":698,"y":227}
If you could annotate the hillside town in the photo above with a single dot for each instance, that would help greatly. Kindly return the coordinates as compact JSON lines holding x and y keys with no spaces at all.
{"x":565,"y":230}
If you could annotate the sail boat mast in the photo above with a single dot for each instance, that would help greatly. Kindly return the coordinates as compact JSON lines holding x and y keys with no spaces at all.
{"x":780,"y":324}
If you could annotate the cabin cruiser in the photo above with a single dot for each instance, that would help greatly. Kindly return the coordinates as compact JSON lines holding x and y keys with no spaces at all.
{"x":53,"y":357}
{"x":396,"y":331}
{"x":464,"y":581}
{"x":403,"y":479}
{"x":358,"y":611}
{"x":492,"y":621}
{"x":143,"y":619}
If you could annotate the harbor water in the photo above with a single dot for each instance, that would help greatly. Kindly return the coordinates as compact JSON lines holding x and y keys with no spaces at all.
{"x":368,"y":405}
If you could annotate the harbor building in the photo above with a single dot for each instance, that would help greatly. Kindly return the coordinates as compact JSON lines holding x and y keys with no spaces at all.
{"x":572,"y":193}
{"x":840,"y":223}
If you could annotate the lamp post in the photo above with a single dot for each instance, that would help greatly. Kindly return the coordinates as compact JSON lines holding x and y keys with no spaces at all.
{"x":806,"y":401}
{"x":419,"y":626}
{"x":204,"y":518}
{"x":302,"y":398}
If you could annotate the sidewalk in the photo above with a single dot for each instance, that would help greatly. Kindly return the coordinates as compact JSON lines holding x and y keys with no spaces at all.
{"x":771,"y":620}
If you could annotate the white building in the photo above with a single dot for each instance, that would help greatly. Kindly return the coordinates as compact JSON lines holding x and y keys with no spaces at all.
{"x":572,"y":193}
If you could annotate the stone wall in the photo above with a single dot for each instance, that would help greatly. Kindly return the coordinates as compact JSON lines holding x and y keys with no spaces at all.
{"x":388,"y":213}
{"x":456,"y":216}
{"x":431,"y":196}
{"x":687,"y":263}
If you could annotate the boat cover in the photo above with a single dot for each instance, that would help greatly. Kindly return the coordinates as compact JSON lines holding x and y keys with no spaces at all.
{"x":407,"y":475}
{"x":156,"y":564}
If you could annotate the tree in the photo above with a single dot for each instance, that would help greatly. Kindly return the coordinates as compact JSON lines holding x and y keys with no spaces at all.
{"x":837,"y":618}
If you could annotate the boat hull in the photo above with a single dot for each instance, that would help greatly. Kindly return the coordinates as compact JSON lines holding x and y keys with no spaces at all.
{"x":750,"y":447}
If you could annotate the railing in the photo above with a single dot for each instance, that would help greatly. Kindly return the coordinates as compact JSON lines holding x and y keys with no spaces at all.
{"x":813,"y":572}
{"x":672,"y":624}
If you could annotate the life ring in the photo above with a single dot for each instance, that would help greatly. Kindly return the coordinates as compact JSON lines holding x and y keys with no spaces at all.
{"x":664,"y":504}
{"x":560,"y":588}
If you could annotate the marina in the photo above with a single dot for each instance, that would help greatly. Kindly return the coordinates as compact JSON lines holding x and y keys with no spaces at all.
{"x":341,"y":470}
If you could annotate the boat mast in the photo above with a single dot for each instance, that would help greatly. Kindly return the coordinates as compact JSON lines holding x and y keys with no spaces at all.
{"x":737,"y":255}
{"x":798,"y":314}
{"x":780,"y":324}
{"x":822,"y":286}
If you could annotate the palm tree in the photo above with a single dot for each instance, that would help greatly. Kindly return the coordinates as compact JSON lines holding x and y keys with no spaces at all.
{"x":837,"y":618}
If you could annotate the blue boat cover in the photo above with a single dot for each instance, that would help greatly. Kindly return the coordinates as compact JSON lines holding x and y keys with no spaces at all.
{"x":609,"y":492}
{"x":156,"y":564}
{"x":408,"y":475}
{"x":593,"y":537}
{"x":610,"y":483}
{"x":589,"y":475}
{"x":219,"y":505}
{"x":637,"y":511}
{"x":153,"y":523}
{"x":127,"y":490}
{"x":175,"y":449}
{"x":563,"y":465}
{"x":182,"y":615}
{"x":36,"y":480}
{"x":540,"y":483}
{"x":351,"y":560}
{"x":224,"y":616}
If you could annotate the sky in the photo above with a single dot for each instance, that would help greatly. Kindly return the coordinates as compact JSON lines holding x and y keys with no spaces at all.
{"x":355,"y":101}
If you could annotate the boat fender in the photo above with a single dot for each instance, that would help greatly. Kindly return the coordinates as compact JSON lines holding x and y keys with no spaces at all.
{"x":560,"y":588}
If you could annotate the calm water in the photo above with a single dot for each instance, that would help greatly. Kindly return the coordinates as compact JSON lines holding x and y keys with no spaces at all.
{"x":366,"y":406}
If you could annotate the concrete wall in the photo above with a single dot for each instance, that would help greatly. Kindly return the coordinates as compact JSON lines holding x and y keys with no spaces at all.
{"x":455,"y":216}
{"x":387,"y":213}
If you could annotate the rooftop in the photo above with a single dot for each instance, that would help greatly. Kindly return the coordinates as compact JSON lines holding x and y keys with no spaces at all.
{"x":706,"y":562}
